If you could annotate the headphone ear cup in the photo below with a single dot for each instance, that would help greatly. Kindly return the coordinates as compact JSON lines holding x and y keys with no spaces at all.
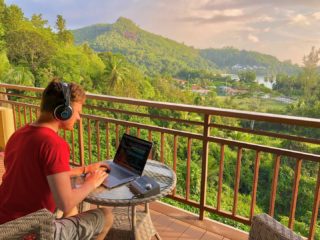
{"x":63,"y":112}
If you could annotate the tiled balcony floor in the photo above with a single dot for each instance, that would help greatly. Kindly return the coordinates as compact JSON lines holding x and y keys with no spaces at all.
{"x":179,"y":224}
{"x":171,"y":229}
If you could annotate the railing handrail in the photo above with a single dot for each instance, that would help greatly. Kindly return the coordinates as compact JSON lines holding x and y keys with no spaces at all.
{"x":258,"y":116}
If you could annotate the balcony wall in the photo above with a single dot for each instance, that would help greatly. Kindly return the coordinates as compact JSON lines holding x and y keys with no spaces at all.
{"x":202,"y":144}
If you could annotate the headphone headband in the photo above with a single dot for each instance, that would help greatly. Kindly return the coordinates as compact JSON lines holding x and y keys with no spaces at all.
{"x":64,"y":111}
{"x":66,"y":93}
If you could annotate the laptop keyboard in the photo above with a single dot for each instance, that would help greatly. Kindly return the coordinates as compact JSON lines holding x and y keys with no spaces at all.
{"x":119,"y":173}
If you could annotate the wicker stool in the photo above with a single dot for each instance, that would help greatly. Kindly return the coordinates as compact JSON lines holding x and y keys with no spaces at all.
{"x":264,"y":227}
{"x":38,"y":224}
{"x":122,"y":225}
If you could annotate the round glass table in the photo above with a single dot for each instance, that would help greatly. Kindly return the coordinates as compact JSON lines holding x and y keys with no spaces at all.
{"x":130,"y":222}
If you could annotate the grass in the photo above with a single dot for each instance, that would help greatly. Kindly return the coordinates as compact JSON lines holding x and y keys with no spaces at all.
{"x":253,"y":104}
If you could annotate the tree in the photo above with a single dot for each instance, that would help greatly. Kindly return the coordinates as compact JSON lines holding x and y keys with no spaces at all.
{"x":19,"y":76}
{"x":2,"y":40}
{"x":37,"y":21}
{"x":44,"y":76}
{"x":2,"y":9}
{"x":4,"y":64}
{"x":2,"y":30}
{"x":29,"y":48}
{"x":63,"y":34}
{"x":288,"y":85}
{"x":247,"y":76}
{"x":310,"y":75}
{"x":13,"y":18}
{"x":60,"y":24}
{"x":116,"y":71}
{"x":2,"y":6}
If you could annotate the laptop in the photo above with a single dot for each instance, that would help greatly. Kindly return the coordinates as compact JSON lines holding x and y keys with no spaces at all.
{"x":129,"y":161}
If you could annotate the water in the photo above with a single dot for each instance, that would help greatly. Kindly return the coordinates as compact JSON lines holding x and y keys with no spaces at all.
{"x":260,"y":79}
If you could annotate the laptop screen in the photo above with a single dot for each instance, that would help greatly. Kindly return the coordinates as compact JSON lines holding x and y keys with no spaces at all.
{"x":133,"y":153}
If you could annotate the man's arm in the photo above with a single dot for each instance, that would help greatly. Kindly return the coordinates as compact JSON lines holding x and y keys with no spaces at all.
{"x":89,"y":168}
{"x":67,"y":198}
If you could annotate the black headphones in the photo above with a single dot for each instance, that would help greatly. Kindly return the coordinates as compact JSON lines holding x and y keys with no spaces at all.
{"x":64,"y":111}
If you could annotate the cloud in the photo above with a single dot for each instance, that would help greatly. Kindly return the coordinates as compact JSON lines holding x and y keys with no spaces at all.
{"x":221,"y":4}
{"x":248,"y":29}
{"x":265,"y":18}
{"x":316,"y":15}
{"x":300,"y":20}
{"x":253,"y":38}
{"x":218,"y":16}
{"x":231,"y":12}
{"x":214,"y":14}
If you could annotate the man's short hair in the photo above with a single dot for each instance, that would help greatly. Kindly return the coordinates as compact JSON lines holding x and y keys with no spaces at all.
{"x":52,"y":95}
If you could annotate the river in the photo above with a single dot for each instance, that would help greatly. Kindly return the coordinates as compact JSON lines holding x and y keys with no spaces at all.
{"x":260,"y":79}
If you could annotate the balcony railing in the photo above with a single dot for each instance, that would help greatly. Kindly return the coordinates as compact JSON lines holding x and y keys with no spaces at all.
{"x":195,"y":138}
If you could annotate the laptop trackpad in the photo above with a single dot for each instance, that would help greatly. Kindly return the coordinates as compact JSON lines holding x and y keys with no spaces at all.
{"x":112,"y":181}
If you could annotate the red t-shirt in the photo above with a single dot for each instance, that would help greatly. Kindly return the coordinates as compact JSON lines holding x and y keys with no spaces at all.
{"x":31,"y":154}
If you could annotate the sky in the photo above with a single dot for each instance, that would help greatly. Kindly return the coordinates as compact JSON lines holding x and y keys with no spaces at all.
{"x":286,"y":29}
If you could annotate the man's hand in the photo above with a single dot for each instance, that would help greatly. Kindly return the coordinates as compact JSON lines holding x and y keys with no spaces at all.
{"x":96,"y":177}
{"x":97,"y":166}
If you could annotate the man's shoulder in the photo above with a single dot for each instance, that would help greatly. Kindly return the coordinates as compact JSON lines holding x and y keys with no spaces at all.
{"x":42,"y":134}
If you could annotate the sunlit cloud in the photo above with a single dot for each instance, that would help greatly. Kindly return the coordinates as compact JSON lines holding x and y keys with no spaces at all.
{"x":316,"y":15}
{"x":248,"y":29}
{"x":216,"y":14}
{"x":254,"y":3}
{"x":231,"y":12}
{"x":266,"y":18}
{"x":300,"y":20}
{"x":253,"y":38}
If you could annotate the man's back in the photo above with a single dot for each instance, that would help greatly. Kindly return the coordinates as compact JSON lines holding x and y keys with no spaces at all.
{"x":31,"y":154}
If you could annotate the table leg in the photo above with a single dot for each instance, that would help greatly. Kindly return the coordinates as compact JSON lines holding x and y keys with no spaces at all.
{"x":147,"y":211}
{"x":140,"y":226}
{"x":133,"y":221}
{"x":157,"y":236}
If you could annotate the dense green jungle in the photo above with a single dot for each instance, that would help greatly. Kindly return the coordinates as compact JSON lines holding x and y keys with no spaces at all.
{"x":120,"y":59}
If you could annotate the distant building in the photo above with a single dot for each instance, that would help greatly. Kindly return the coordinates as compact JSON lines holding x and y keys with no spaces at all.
{"x":238,"y":67}
{"x":200,"y":90}
{"x":224,"y":90}
{"x":181,"y":82}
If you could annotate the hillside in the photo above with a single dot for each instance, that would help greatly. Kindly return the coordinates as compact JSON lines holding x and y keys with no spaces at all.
{"x":156,"y":54}
{"x":88,"y":34}
{"x":233,"y":59}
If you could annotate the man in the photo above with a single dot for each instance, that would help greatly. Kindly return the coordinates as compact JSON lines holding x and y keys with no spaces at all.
{"x":38,"y":173}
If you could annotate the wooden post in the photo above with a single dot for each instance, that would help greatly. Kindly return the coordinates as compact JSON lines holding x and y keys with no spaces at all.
{"x":205,"y":144}
{"x":6,"y":126}
{"x":81,"y":145}
{"x":315,"y":210}
{"x":4,"y":96}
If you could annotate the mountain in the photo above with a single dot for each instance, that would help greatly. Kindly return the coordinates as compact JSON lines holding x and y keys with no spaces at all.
{"x":156,"y":54}
{"x":234,"y":60}
{"x":152,"y":52}
{"x":89,"y":34}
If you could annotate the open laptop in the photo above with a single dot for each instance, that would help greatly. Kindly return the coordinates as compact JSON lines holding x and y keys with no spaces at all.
{"x":129,"y":161}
